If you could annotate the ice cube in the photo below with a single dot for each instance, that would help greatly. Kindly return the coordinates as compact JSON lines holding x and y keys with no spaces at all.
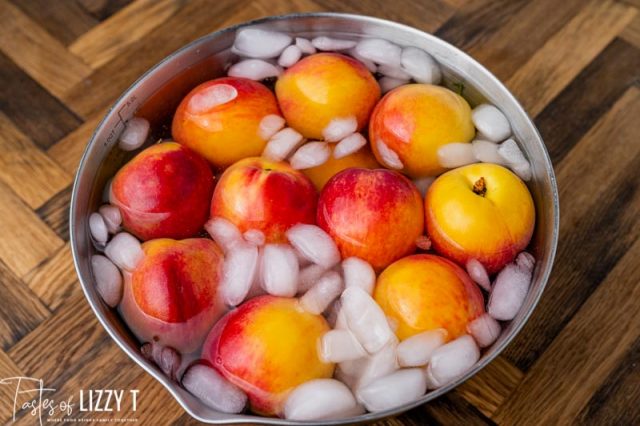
{"x":478,"y":273}
{"x":112,"y":217}
{"x":484,"y":329}
{"x":166,"y":358}
{"x":325,"y":291}
{"x":390,"y":391}
{"x":223,"y":232}
{"x":108,"y":279}
{"x":389,"y":157}
{"x":213,"y":390}
{"x":254,"y":236}
{"x":309,"y":275}
{"x":238,"y":273}
{"x":358,"y":273}
{"x":420,"y":65}
{"x":329,"y":44}
{"x":511,"y":153}
{"x":210,"y":97}
{"x":320,"y":399}
{"x":332,"y":312}
{"x":362,"y":371}
{"x":98,"y":228}
{"x":371,"y":66}
{"x":455,"y":155}
{"x":423,"y":242}
{"x":487,"y":152}
{"x":125,"y":251}
{"x":311,"y":154}
{"x":510,"y":289}
{"x":134,"y":134}
{"x":452,"y":360}
{"x":339,"y":128}
{"x":290,"y":56}
{"x":279,"y":270}
{"x":254,"y":69}
{"x":349,"y":145}
{"x":340,"y":346}
{"x":525,"y":261}
{"x":305,"y":46}
{"x":366,"y":319}
{"x":314,"y":244}
{"x":257,"y":43}
{"x":423,"y":184}
{"x":282,"y":144}
{"x":523,"y":170}
{"x":379,"y":51}
{"x":270,"y":125}
{"x":393,"y":72}
{"x":416,"y":350}
{"x":491,"y":122}
{"x":389,"y":83}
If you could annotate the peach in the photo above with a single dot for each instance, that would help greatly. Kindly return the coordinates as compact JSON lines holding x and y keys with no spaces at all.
{"x":267,"y":347}
{"x":325,"y":86}
{"x":163,"y":192}
{"x":220,"y":119}
{"x":321,"y":174}
{"x":172,"y":295}
{"x":271,"y":197}
{"x":423,"y":292}
{"x":375,"y":215}
{"x":415,"y":120}
{"x":481,"y":211}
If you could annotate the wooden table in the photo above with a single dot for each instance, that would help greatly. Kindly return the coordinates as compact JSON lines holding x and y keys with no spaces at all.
{"x":574,"y":64}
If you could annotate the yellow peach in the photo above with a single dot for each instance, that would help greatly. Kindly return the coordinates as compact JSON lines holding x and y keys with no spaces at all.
{"x":362,"y":158}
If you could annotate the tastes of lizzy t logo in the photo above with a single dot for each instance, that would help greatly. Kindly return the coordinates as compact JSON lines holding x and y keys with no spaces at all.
{"x":29,"y":395}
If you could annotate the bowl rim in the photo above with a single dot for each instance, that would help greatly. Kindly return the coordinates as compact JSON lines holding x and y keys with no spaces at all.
{"x":171,"y":386}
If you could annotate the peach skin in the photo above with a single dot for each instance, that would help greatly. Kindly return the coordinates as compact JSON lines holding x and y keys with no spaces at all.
{"x":220,"y":119}
{"x":415,"y":120}
{"x":375,"y":215}
{"x":481,"y":211}
{"x":325,"y":86}
{"x":172,"y":295}
{"x":268,"y":196}
{"x":423,"y":292}
{"x":163,"y":192}
{"x":267,"y":347}
{"x":321,"y":174}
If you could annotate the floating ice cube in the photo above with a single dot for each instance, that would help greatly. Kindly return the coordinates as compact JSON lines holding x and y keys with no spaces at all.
{"x":416,"y":350}
{"x":511,"y":153}
{"x":423,"y":242}
{"x":311,"y":154}
{"x":452,"y":360}
{"x":525,"y":261}
{"x":487,"y":152}
{"x":310,"y":275}
{"x":125,"y":251}
{"x":366,"y":319}
{"x":270,"y":125}
{"x":388,"y":156}
{"x":98,"y":228}
{"x":210,"y":97}
{"x":484,"y":329}
{"x":510,"y":288}
{"x":305,"y":46}
{"x":523,"y":170}
{"x":331,"y":44}
{"x":349,"y":145}
{"x":393,"y":72}
{"x":390,"y":391}
{"x":491,"y":122}
{"x":339,"y":128}
{"x":340,"y":346}
{"x":320,"y":399}
{"x":362,"y":371}
{"x":166,"y":358}
{"x":112,"y":217}
{"x":279,"y":270}
{"x":314,"y":244}
{"x":379,"y":51}
{"x":371,"y":66}
{"x":212,"y":389}
{"x":254,"y":69}
{"x":423,"y":184}
{"x":282,"y":144}
{"x":134,"y":134}
{"x":290,"y":56}
{"x":108,"y":279}
{"x":106,"y":192}
{"x":254,"y":236}
{"x":238,"y":273}
{"x":223,"y":232}
{"x":325,"y":291}
{"x":455,"y":155}
{"x":257,"y":43}
{"x":478,"y":273}
{"x":420,"y":65}
{"x":358,"y":273}
{"x":387,"y":84}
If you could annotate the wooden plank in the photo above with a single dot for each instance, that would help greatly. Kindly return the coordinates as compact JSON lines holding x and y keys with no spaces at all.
{"x":32,"y":175}
{"x":632,"y":32}
{"x":55,"y":213}
{"x":7,"y":392}
{"x":25,"y":240}
{"x":116,"y":34}
{"x":588,"y":349}
{"x":452,"y":409}
{"x":34,"y":50}
{"x":552,"y":67}
{"x":102,"y":9}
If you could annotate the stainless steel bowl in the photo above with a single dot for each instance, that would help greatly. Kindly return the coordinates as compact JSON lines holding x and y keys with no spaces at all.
{"x":155,"y":96}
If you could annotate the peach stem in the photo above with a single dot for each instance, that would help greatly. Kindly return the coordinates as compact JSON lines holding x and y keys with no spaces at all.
{"x":480,"y":187}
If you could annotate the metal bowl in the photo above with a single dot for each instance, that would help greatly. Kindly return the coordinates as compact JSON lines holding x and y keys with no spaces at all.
{"x":156,"y":95}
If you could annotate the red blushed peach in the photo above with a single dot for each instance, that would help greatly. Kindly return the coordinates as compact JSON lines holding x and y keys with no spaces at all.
{"x":163,"y":192}
{"x":325,"y":86}
{"x":268,"y":196}
{"x":172,"y":295}
{"x":267,"y":347}
{"x":481,"y":211}
{"x":375,"y":215}
{"x":220,"y":119}
{"x":424,"y":292}
{"x":415,"y":120}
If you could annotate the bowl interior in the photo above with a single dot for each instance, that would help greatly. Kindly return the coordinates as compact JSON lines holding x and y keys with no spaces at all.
{"x":156,"y":95}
